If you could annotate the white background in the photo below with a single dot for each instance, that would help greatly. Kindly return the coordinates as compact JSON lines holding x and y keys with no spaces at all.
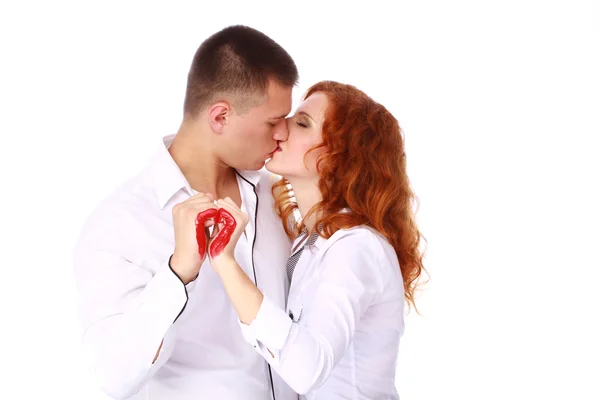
{"x":500,"y":105}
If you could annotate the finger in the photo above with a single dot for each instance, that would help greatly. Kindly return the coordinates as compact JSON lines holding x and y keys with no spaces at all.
{"x":207,"y":215}
{"x":203,"y":206}
{"x":233,"y":205}
{"x":200,"y":206}
{"x":199,"y":196}
{"x":230,"y":206}
{"x":203,"y":211}
{"x":227,"y":202}
{"x":200,"y":200}
{"x":227,"y":217}
{"x":222,"y":204}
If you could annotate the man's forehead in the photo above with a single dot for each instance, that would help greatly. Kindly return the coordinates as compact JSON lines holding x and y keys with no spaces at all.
{"x":272,"y":110}
{"x":278,"y":109}
{"x":280,"y":116}
{"x":279,"y":101}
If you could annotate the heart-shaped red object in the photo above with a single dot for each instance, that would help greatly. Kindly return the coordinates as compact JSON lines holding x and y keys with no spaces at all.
{"x":218,"y":243}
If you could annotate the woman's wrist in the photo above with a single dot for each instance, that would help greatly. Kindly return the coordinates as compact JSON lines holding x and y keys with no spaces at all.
{"x":224,"y":264}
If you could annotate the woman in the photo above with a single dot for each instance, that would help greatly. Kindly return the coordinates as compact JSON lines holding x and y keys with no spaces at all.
{"x":356,"y":248}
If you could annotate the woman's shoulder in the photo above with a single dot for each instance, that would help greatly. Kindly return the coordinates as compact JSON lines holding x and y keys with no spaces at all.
{"x":361,"y":238}
{"x":365,"y":251}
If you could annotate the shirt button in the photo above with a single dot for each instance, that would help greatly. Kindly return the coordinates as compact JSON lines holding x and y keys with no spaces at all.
{"x":291,"y":314}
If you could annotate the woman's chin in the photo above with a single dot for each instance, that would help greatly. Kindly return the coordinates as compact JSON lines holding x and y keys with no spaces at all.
{"x":272,"y":167}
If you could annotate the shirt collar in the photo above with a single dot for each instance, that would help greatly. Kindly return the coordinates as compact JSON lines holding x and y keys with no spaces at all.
{"x":252,"y":177}
{"x":168,"y":178}
{"x":318,"y":244}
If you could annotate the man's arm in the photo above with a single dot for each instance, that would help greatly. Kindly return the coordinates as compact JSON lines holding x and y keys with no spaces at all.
{"x":126,"y":313}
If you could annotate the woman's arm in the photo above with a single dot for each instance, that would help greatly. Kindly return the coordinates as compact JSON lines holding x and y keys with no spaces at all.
{"x":244,"y":295}
{"x":304,"y":352}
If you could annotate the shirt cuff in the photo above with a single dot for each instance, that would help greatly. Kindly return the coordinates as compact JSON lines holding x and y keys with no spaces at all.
{"x":271,"y":326}
{"x":248,"y":334}
{"x":272,"y":356}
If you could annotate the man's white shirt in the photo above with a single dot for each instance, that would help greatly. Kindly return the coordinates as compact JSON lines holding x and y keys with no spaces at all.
{"x":130,"y":300}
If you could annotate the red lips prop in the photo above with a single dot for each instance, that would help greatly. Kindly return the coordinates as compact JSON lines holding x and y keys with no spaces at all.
{"x":218,"y":243}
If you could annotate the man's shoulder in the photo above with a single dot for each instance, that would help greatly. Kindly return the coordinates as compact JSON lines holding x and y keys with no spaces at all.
{"x":118,"y":208}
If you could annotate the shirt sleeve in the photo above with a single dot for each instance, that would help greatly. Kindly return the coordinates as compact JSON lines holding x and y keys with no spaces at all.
{"x":126,"y":312}
{"x":304,"y":352}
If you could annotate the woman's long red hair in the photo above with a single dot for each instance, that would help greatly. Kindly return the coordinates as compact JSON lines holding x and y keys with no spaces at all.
{"x":364,"y":169}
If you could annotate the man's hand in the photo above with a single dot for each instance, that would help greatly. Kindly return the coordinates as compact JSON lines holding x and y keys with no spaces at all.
{"x":191,"y":219}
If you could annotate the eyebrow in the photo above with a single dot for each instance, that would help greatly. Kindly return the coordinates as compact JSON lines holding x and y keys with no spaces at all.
{"x":279,"y":117}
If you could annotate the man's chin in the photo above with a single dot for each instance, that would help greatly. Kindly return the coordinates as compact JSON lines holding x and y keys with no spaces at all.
{"x":249,"y":166}
{"x":261,"y":165}
{"x":256,"y":167}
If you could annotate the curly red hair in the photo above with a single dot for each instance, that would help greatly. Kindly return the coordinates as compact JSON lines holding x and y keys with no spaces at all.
{"x":364,"y":169}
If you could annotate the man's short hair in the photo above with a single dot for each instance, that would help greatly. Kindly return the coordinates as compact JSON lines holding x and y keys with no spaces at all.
{"x":237,"y":61}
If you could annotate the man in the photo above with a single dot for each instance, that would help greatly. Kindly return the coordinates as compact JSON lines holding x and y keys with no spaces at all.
{"x":157,"y":321}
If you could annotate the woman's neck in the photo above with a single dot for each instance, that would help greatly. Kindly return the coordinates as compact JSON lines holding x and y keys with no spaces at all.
{"x":307,"y":194}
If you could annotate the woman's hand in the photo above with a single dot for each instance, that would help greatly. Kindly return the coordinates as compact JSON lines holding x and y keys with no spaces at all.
{"x":231,"y":224}
{"x":243,"y":293}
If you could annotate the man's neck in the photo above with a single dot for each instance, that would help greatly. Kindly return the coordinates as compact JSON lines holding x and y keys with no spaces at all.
{"x":307,"y":194}
{"x":193,"y":154}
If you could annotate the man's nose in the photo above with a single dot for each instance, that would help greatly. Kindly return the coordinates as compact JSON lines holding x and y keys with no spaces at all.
{"x":281,"y":132}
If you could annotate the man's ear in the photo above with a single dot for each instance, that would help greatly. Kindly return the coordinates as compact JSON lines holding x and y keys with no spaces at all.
{"x":218,"y":114}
